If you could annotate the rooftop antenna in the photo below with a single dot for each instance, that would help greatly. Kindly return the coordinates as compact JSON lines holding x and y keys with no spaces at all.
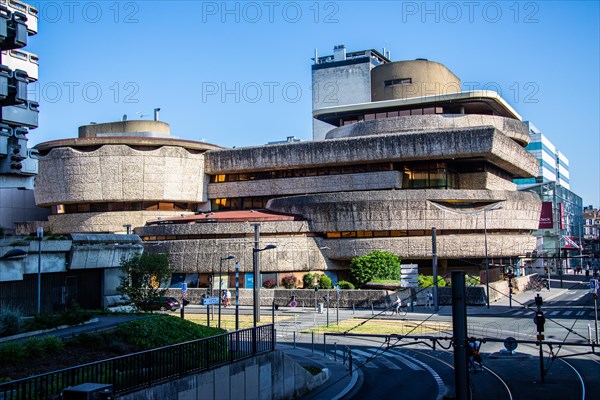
{"x":124,"y":118}
{"x":141,"y":115}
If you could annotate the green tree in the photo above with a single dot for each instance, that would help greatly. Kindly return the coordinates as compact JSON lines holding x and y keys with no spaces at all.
{"x":142,"y":276}
{"x":375,"y":265}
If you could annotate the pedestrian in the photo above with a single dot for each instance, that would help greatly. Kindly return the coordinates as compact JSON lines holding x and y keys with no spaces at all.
{"x":587,"y":270}
{"x":429,"y":299}
{"x":473,"y":354}
{"x":227,"y":297}
{"x":398,"y":304}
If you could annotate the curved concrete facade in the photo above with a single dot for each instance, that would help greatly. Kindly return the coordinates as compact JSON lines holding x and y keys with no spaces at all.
{"x":482,"y":142}
{"x":120,"y":173}
{"x":512,"y":128}
{"x":414,"y":78}
{"x":413,"y":210}
{"x":296,"y":250}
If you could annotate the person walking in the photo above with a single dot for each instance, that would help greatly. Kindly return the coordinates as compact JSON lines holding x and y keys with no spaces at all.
{"x":398,"y":304}
{"x":429,"y":299}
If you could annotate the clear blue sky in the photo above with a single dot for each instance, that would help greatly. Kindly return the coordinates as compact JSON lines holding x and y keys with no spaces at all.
{"x":100,"y":60}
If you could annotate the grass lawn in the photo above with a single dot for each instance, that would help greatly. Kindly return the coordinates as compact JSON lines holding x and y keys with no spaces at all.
{"x":228,"y":320}
{"x":384,"y":327}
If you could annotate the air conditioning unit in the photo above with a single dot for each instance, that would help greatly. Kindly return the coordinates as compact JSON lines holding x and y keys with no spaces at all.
{"x":89,"y":391}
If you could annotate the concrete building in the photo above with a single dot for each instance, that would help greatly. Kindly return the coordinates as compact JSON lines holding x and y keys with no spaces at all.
{"x":342,"y":78}
{"x":591,"y":231}
{"x":18,"y":115}
{"x":119,"y":175}
{"x":422,"y":154}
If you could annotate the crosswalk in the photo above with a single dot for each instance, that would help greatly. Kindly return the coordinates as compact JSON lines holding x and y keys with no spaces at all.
{"x":562,"y":313}
{"x":380,"y":358}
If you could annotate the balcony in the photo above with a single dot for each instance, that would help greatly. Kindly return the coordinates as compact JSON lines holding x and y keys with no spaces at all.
{"x":13,"y":86}
{"x":23,"y":60}
{"x":13,"y":29}
{"x":25,"y":114}
{"x":28,"y":10}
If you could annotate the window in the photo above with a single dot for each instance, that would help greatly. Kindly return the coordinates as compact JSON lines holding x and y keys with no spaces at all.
{"x":400,"y":81}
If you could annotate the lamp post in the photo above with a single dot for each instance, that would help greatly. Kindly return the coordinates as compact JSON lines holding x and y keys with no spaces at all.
{"x":487,"y":263}
{"x":40,"y":236}
{"x":221,"y":281}
{"x":256,"y":270}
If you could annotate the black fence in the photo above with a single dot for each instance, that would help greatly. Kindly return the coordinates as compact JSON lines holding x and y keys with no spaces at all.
{"x":139,"y":370}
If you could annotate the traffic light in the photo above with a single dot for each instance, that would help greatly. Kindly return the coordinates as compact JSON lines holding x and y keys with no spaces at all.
{"x":538,"y":300}
{"x":539,"y":321}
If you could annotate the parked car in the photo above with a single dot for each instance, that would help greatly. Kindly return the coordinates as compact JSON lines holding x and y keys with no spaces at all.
{"x":164,"y":304}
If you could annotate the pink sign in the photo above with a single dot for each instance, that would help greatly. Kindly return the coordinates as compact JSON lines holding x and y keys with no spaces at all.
{"x":546,"y":221}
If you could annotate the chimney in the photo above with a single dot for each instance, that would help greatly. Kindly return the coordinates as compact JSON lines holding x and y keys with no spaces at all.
{"x":156,"y":110}
{"x":339,"y":53}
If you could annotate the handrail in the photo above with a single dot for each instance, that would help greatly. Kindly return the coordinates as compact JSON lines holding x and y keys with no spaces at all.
{"x":143,"y":369}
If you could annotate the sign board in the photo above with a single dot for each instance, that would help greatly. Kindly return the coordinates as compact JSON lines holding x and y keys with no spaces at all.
{"x":510,"y":344}
{"x":207,"y":301}
{"x":249,"y":281}
{"x":184,"y":287}
{"x":409,"y":275}
{"x":593,"y":286}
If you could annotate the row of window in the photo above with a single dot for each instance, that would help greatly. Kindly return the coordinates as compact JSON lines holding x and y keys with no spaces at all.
{"x":414,"y":232}
{"x":417,"y":174}
{"x":400,"y":81}
{"x":122,"y":206}
{"x":390,"y":114}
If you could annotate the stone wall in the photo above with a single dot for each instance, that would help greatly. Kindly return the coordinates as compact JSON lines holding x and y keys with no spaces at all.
{"x":268,"y":376}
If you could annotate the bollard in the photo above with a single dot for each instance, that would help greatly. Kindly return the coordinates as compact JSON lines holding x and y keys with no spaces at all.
{"x":324,"y":345}
{"x":350,"y":359}
{"x":372,"y":309}
{"x":294,"y":339}
{"x":335,"y":351}
{"x":353,"y":308}
{"x":312,"y":335}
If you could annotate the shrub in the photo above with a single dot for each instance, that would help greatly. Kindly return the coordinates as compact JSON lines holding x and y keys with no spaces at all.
{"x":12,"y":352}
{"x":269,"y":283}
{"x":164,"y":330}
{"x":324,"y":282}
{"x":10,"y":321}
{"x":375,"y":265}
{"x":75,"y":315}
{"x":53,"y":345}
{"x":289,"y":281}
{"x":308,"y":281}
{"x":345,"y":285}
{"x":427,"y":281}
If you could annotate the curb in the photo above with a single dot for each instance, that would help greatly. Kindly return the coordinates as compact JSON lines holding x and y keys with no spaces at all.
{"x":35,"y":333}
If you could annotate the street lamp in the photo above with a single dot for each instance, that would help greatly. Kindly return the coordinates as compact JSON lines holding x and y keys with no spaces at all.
{"x":221,"y":281}
{"x":256,"y":289}
{"x":256,"y":270}
{"x":40,"y":236}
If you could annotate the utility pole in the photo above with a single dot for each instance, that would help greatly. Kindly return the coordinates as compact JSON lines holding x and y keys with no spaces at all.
{"x":436,"y":306}
{"x":459,"y":332}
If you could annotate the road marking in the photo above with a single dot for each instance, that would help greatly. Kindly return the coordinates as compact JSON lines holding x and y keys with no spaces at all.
{"x":403,"y":358}
{"x":359,"y":359}
{"x":568,"y":312}
{"x":579,"y":376}
{"x":438,"y":380}
{"x":379,"y":356}
{"x":580,"y":313}
{"x":554,"y":313}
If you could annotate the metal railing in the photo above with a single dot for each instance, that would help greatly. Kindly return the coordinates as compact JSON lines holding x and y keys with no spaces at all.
{"x":139,"y":370}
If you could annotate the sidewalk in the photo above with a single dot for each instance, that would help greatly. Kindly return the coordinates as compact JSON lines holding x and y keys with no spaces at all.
{"x":340,"y":381}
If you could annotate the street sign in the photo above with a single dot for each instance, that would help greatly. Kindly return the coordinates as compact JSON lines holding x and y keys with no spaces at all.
{"x":409,"y":275}
{"x":510,"y":344}
{"x":184,"y":287}
{"x":207,"y":301}
{"x":337,"y":288}
{"x":593,"y":286}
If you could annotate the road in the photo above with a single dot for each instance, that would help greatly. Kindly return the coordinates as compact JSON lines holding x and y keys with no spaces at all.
{"x":411,"y":370}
